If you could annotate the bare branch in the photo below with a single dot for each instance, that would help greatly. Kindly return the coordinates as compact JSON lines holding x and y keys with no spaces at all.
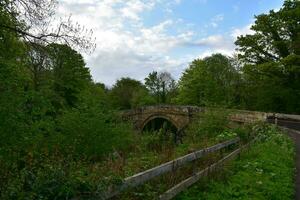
{"x":38,"y":18}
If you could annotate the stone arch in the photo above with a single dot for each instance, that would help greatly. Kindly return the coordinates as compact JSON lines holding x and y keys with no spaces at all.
{"x":157,"y":116}
{"x":178,"y":116}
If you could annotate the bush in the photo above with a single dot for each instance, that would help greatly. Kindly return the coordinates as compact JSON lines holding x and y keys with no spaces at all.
{"x":226,"y":135}
{"x":158,"y":140}
{"x":59,"y":162}
{"x":210,"y":124}
{"x":92,"y":133}
{"x":49,"y":177}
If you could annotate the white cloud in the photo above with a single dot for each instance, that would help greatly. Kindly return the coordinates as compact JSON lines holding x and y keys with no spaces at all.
{"x":177,"y":1}
{"x":206,"y":53}
{"x":133,"y":65}
{"x":214,"y":22}
{"x":223,"y":44}
{"x":242,"y":31}
{"x":133,"y":8}
{"x":127,"y":47}
{"x":215,"y":42}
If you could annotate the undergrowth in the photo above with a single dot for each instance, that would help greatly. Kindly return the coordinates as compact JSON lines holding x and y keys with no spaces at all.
{"x":265,"y":172}
{"x":86,"y":165}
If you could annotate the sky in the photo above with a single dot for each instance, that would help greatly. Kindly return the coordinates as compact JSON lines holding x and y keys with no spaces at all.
{"x":136,"y":37}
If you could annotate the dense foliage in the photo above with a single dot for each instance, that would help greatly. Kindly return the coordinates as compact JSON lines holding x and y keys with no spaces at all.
{"x":209,"y":82}
{"x":162,"y":86}
{"x":129,"y":93}
{"x":272,"y":57}
{"x":55,"y":121}
{"x":60,"y":133}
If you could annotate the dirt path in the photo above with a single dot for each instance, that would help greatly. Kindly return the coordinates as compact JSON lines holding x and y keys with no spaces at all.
{"x":295,"y":135}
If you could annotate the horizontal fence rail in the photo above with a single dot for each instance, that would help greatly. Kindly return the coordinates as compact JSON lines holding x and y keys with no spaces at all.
{"x":171,"y":193}
{"x":142,"y":177}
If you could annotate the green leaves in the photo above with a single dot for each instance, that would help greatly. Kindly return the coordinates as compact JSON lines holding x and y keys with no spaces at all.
{"x":162,"y":86}
{"x":275,"y":35}
{"x":207,"y":82}
{"x":271,"y":61}
{"x":70,"y":75}
{"x":128,"y":93}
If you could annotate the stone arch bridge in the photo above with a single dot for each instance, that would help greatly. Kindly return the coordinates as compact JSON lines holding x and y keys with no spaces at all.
{"x":181,"y":116}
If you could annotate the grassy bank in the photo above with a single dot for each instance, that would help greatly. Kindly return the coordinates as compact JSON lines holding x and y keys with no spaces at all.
{"x":264,"y":172}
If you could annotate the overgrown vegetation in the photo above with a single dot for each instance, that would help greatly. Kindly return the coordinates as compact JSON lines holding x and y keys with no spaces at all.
{"x":60,"y":133}
{"x":266,"y":171}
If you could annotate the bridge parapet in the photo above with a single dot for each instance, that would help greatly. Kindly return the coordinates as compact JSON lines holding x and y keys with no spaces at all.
{"x":163,"y":108}
{"x":245,"y":116}
{"x":181,"y":116}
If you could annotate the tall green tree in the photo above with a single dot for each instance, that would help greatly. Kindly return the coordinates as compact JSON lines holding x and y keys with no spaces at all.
{"x":14,"y":82}
{"x":70,"y":75}
{"x":209,"y":81}
{"x":128,"y":93}
{"x":271,"y":56}
{"x":153,"y":85}
{"x":276,"y":36}
{"x":162,"y":86}
{"x":53,"y":118}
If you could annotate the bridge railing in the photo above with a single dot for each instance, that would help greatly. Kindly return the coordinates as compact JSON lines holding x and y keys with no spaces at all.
{"x":171,"y":166}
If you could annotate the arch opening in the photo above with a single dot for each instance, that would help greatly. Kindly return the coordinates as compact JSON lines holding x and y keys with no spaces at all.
{"x":158,"y":123}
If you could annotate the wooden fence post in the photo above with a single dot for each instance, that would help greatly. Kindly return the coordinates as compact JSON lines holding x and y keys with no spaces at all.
{"x":169,"y":167}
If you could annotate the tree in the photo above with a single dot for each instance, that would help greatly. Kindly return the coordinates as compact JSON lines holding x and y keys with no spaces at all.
{"x":51,"y":113}
{"x":153,"y":85}
{"x":38,"y":63}
{"x":168,"y":86}
{"x":141,"y":97}
{"x":128,"y":93}
{"x":37,"y":18}
{"x":209,"y":81}
{"x":14,"y":82}
{"x":277,"y":35}
{"x":161,"y":85}
{"x":70,"y":75}
{"x":271,"y":57}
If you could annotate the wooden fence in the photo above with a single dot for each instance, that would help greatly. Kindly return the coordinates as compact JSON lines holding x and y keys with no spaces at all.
{"x":197,"y":176}
{"x":171,"y":166}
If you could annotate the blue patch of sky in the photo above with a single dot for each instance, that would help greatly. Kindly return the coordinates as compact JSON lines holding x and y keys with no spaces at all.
{"x":198,"y":15}
{"x":236,"y":13}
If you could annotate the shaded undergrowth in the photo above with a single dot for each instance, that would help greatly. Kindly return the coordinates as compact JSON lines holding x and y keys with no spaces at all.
{"x":91,"y":156}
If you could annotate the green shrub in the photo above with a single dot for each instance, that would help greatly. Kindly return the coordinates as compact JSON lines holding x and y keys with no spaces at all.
{"x":226,"y":135}
{"x":209,"y":124}
{"x":45,"y":177}
{"x":93,"y":133}
{"x":58,"y":163}
{"x":158,"y":140}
